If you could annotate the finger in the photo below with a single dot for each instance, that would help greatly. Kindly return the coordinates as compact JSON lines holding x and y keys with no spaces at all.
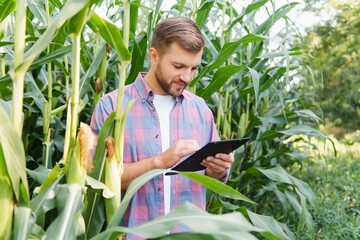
{"x":188,"y":146}
{"x":191,"y":144}
{"x":221,"y":162}
{"x":187,"y":151}
{"x":215,"y":163}
{"x":213,"y":167}
{"x":225,"y":157}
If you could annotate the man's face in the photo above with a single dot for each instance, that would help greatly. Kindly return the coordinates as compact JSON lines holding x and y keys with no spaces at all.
{"x":174,"y":70}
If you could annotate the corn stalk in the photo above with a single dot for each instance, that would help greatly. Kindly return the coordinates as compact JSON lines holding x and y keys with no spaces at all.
{"x":47,"y":105}
{"x":114,"y":161}
{"x":18,"y":75}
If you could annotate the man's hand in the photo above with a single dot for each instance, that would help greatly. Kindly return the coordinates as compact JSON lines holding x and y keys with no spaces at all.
{"x":165,"y":160}
{"x":217,"y":166}
{"x":172,"y":155}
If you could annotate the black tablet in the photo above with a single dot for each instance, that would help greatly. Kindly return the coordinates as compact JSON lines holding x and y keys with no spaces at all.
{"x":193,"y":162}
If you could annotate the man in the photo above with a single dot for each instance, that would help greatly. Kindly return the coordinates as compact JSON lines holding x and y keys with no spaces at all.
{"x":165,"y":124}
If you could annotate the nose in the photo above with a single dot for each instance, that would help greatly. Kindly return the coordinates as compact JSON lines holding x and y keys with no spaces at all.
{"x":186,"y":75}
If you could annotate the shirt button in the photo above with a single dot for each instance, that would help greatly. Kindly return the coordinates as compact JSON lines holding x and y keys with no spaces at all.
{"x":157,"y":136}
{"x":159,"y":189}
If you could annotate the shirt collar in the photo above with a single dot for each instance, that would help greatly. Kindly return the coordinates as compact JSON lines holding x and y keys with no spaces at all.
{"x":145,"y":91}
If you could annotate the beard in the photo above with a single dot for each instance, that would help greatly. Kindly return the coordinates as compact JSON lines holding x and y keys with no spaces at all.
{"x":167,"y":86}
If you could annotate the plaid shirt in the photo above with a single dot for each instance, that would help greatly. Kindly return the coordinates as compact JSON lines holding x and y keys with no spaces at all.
{"x":190,"y":118}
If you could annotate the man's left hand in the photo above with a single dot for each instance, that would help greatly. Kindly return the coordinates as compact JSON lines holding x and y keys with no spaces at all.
{"x":218,"y":165}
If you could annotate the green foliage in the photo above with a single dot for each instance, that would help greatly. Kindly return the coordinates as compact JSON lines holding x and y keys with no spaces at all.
{"x":335,"y":180}
{"x":249,"y":89}
{"x":246,"y":83}
{"x":334,"y":47}
{"x":13,"y":155}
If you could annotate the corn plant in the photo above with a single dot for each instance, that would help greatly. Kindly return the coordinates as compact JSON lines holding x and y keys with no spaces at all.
{"x":58,"y":58}
{"x":254,"y":100}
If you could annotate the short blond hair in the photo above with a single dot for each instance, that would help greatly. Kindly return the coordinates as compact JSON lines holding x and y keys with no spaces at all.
{"x":180,"y":30}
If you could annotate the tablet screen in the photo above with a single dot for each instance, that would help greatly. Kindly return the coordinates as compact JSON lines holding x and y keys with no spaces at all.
{"x":193,"y":162}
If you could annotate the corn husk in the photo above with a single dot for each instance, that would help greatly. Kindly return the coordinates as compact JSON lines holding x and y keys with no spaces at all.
{"x":112,"y":179}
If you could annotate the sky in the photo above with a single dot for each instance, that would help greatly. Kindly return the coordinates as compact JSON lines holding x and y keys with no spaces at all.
{"x":300,"y":18}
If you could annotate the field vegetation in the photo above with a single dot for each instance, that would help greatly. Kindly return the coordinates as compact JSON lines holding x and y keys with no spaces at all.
{"x":292,"y":181}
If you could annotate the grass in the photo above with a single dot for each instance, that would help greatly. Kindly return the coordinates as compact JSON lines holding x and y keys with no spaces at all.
{"x":336,"y":183}
{"x":338,"y":208}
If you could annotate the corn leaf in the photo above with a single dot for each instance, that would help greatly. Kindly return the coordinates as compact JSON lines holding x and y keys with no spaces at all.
{"x":203,"y":11}
{"x":138,"y":56}
{"x":221,"y":76}
{"x":69,"y":202}
{"x":69,"y":9}
{"x":40,"y":174}
{"x":111,"y":34}
{"x":275,"y":230}
{"x":254,"y":6}
{"x":278,"y":174}
{"x":217,"y":186}
{"x":278,"y":14}
{"x":38,"y":10}
{"x":6,"y":7}
{"x":131,"y":190}
{"x":23,"y":223}
{"x":213,"y":184}
{"x":96,"y":185}
{"x":7,"y":203}
{"x":303,"y":129}
{"x":255,"y":77}
{"x":44,"y":202}
{"x":85,"y":79}
{"x":39,"y":62}
{"x":134,"y":14}
{"x":14,"y":155}
{"x":228,"y":226}
{"x":269,"y":135}
{"x":225,"y":53}
{"x":94,"y":212}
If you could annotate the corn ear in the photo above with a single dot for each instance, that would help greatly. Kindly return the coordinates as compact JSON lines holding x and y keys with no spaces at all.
{"x":80,"y":160}
{"x":242,"y":125}
{"x":76,"y":174}
{"x":112,"y":179}
{"x":101,"y":78}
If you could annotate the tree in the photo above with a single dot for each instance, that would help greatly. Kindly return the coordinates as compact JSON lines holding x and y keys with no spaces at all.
{"x":334,"y":44}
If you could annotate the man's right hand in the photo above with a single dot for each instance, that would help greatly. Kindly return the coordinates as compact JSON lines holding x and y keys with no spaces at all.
{"x":173,"y":154}
{"x":163,"y":161}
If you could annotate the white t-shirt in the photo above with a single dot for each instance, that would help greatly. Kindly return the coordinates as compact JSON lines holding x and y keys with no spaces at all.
{"x":163,"y":105}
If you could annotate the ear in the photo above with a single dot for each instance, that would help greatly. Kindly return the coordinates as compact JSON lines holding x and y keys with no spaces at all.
{"x":154,"y":56}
